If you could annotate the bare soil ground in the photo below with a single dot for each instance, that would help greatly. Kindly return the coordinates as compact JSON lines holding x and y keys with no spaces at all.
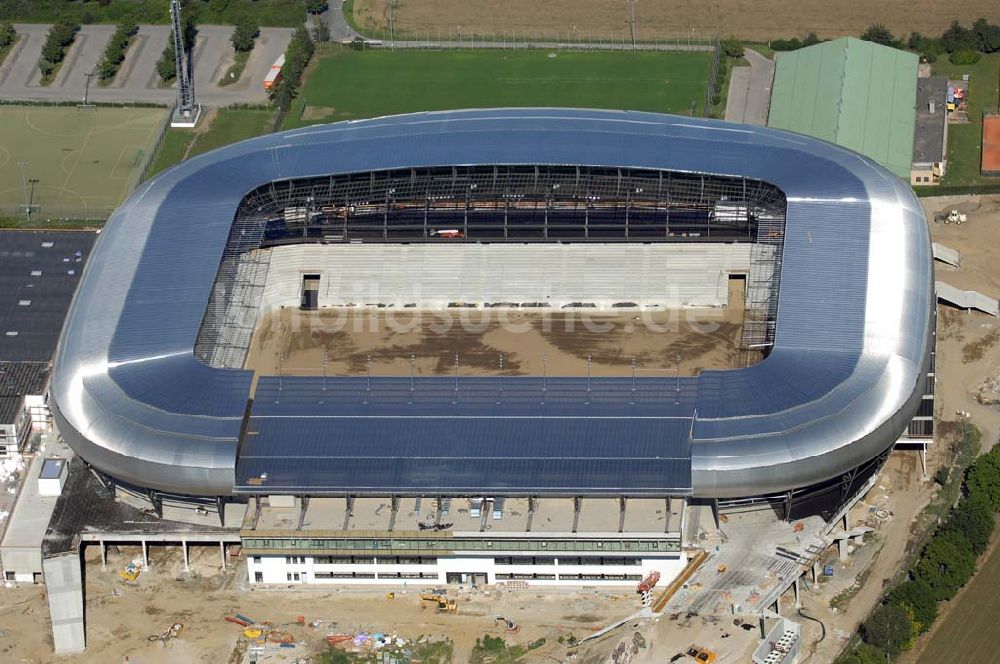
{"x":121,"y":618}
{"x":600,"y":19}
{"x":294,"y":342}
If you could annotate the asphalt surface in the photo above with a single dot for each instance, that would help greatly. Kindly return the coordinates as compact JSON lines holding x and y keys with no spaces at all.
{"x":137,"y":80}
{"x":750,"y":90}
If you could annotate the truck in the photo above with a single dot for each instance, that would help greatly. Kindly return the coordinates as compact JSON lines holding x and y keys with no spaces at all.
{"x":274,"y":75}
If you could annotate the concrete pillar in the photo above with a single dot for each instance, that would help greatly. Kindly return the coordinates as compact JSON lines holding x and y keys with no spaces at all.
{"x":104,"y":556}
{"x":923,"y":460}
{"x":842,"y":548}
{"x":846,"y":527}
{"x":797,"y":590}
{"x":815,"y":570}
{"x":184,"y":548}
{"x":222,"y":552}
{"x":145,"y":555}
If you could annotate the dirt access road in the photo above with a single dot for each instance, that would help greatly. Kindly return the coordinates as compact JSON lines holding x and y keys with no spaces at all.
{"x":757,"y":20}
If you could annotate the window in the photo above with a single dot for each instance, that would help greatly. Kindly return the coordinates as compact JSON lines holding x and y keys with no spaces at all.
{"x":36,"y":273}
{"x":24,"y":303}
{"x":256,"y":560}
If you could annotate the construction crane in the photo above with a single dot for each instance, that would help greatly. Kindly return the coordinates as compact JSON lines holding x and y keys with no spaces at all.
{"x":442,"y":603}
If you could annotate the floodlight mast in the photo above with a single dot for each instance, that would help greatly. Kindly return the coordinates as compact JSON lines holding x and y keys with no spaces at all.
{"x":185,"y":89}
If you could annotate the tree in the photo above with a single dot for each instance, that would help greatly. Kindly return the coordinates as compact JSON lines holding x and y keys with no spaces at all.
{"x":811,"y":39}
{"x":879,"y":34}
{"x":946,"y":565}
{"x":983,"y":477}
{"x":957,"y":38}
{"x":889,"y":628}
{"x":316,"y":6}
{"x":321,"y":32}
{"x":918,"y":597}
{"x":987,"y":36}
{"x":218,"y":6}
{"x":973,"y":517}
{"x":245,"y":34}
{"x":7,"y":35}
{"x":733,"y":47}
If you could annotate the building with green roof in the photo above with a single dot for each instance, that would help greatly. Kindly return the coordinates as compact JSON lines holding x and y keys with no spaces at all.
{"x":853,"y":93}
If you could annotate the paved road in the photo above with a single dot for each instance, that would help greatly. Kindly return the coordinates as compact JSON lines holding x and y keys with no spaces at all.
{"x":137,"y":80}
{"x":335,"y":21}
{"x":750,"y":90}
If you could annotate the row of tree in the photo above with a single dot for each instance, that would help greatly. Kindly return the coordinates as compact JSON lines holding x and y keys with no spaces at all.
{"x":300,"y":51}
{"x":114,"y":52}
{"x":963,"y":45}
{"x":58,"y":41}
{"x":7,"y":35}
{"x":944,"y":565}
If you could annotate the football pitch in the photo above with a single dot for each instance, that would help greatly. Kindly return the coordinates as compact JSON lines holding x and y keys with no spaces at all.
{"x":348,"y":84}
{"x":80,"y":163}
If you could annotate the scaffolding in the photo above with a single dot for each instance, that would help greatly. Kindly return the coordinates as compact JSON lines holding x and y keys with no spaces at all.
{"x":760,"y":313}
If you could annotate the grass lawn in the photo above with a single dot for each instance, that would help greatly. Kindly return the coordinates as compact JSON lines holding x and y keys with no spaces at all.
{"x":965,"y":140}
{"x":235,"y":70}
{"x":228,"y":126}
{"x":85,"y":162}
{"x":349,"y":84}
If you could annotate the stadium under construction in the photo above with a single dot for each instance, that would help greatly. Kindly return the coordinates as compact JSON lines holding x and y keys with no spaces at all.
{"x":483,"y":476}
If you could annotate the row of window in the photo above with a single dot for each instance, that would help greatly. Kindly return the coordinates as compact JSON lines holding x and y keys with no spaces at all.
{"x":450,"y":544}
{"x":344,"y":575}
{"x":526,"y":576}
{"x":423,"y":560}
{"x":565,"y":560}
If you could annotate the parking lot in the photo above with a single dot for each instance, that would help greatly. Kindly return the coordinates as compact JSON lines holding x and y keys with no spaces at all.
{"x":137,"y":80}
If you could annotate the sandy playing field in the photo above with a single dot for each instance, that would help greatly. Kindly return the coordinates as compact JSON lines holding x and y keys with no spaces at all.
{"x":294,"y":342}
{"x":600,"y":19}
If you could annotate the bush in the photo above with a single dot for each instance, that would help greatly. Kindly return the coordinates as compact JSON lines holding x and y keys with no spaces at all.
{"x":245,"y":34}
{"x":918,"y":597}
{"x":792,"y":44}
{"x":7,"y":35}
{"x":316,"y":6}
{"x":716,"y":99}
{"x":983,"y":478}
{"x":889,"y":629}
{"x":929,"y":58}
{"x":964,"y":57}
{"x":732,"y":47}
{"x":166,"y":68}
{"x":811,"y":40}
{"x":321,"y":32}
{"x":946,"y":564}
{"x":973,"y":518}
{"x":863,"y":654}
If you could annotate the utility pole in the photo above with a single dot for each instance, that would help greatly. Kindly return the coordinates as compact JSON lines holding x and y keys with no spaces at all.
{"x":631,"y":7}
{"x":86,"y":90}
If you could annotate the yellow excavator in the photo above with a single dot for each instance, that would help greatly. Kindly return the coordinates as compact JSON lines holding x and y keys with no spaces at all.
{"x":442,"y":603}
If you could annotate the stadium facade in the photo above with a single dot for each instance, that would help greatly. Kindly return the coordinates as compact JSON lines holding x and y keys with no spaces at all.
{"x":149,"y":386}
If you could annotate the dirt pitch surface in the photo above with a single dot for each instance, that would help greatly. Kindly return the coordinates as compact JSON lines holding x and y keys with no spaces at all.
{"x":85,"y":162}
{"x":758,"y":20}
{"x":294,"y":342}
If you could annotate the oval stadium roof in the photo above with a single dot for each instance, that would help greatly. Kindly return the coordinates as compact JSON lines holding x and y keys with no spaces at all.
{"x":851,"y":339}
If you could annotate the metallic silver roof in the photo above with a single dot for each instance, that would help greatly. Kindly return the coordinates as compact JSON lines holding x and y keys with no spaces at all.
{"x":853,"y":327}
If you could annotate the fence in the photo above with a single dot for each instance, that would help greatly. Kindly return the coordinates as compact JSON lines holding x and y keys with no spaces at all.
{"x":710,"y":92}
{"x":525,"y":39}
{"x":142,"y":173}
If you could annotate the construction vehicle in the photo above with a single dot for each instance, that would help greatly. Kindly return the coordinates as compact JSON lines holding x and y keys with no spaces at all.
{"x":703,"y":655}
{"x":129,"y":573}
{"x":509,"y":624}
{"x":951,"y":217}
{"x":442,"y":603}
{"x":648,"y":583}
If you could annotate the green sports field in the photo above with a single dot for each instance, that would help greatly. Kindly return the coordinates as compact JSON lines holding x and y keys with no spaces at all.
{"x":351,"y":84}
{"x":85,"y":162}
